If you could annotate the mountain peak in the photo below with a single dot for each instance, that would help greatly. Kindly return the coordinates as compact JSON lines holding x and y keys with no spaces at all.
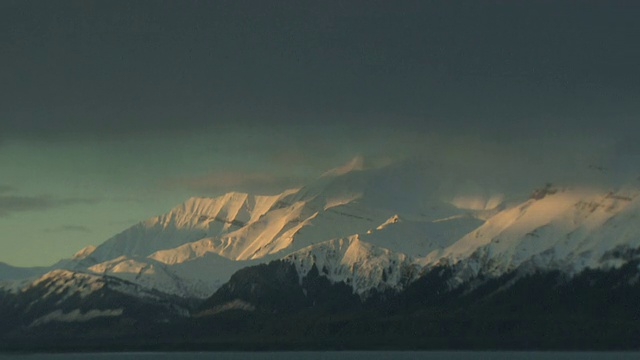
{"x":84,"y":252}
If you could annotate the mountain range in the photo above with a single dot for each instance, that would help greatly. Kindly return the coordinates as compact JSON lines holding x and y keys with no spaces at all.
{"x":397,"y":256}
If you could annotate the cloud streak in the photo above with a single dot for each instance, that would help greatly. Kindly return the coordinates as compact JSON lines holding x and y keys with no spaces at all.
{"x":224,"y":181}
{"x":69,"y":228}
{"x":10,"y":204}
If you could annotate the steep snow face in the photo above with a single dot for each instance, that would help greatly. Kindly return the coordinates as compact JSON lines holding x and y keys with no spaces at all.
{"x":84,"y":252}
{"x":361,"y":265}
{"x":285,"y":228}
{"x":238,"y":227}
{"x":193,"y":220}
{"x":567,"y":229}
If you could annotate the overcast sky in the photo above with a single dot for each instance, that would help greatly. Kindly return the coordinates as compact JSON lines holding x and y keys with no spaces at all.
{"x":114,"y":111}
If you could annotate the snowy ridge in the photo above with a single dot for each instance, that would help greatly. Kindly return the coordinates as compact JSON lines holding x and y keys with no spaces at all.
{"x":361,"y":265}
{"x":191,"y":221}
{"x":566,"y":229}
{"x":72,"y":296}
{"x":238,"y":226}
{"x":382,"y":258}
{"x":84,"y":252}
{"x":62,"y":285}
{"x":75,"y":316}
{"x":65,"y":283}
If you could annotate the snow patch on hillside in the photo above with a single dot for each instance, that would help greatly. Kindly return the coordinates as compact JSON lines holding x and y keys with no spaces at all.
{"x":67,"y":283}
{"x":75,"y":316}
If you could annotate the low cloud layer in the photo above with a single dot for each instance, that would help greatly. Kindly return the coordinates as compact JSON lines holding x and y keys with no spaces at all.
{"x":10,"y":204}
{"x":69,"y":228}
{"x":225,"y":181}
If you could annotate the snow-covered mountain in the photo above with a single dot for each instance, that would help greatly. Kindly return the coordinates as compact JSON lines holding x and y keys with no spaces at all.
{"x":195,"y":247}
{"x":373,"y":229}
{"x":386,"y":244}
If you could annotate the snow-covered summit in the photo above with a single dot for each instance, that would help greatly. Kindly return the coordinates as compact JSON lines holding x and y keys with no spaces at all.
{"x":84,"y":252}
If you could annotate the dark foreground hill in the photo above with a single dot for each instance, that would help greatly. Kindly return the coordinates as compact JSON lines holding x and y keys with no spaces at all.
{"x":266,"y":307}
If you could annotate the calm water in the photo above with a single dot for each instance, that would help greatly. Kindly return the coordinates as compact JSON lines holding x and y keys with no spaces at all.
{"x":355,"y":355}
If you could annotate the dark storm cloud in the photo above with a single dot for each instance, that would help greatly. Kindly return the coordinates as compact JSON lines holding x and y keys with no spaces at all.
{"x":10,"y":204}
{"x":120,"y":68}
